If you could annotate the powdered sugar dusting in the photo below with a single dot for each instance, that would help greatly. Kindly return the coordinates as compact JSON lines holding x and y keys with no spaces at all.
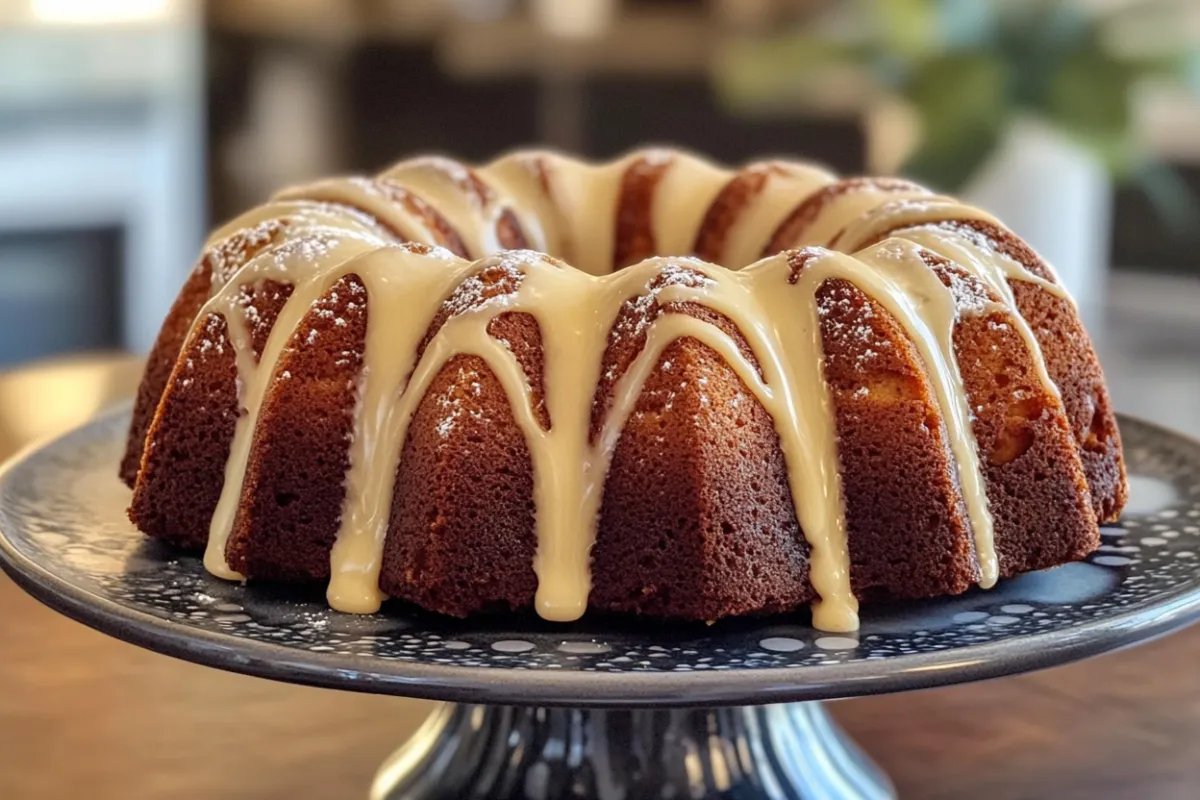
{"x":463,"y":177}
{"x":487,"y":285}
{"x":451,"y":406}
{"x":840,"y":302}
{"x":970,"y":294}
{"x":230,"y":254}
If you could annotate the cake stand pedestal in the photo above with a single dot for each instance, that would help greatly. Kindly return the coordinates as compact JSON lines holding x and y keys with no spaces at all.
{"x":607,"y":707}
{"x":793,"y":751}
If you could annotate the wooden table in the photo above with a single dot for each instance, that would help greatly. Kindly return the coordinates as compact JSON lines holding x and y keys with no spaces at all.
{"x":85,"y":715}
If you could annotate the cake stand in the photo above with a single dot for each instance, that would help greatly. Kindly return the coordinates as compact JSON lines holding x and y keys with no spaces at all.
{"x":609,"y":707}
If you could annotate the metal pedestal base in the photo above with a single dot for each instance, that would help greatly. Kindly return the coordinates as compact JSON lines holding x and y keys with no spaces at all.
{"x":781,"y":752}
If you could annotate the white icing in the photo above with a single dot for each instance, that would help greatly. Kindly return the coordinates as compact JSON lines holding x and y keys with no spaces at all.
{"x":786,"y":187}
{"x":462,"y":197}
{"x":681,"y":199}
{"x":516,"y":177}
{"x":365,"y":195}
{"x":846,"y":210}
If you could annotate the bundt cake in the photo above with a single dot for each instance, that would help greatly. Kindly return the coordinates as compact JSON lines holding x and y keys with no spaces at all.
{"x":653,"y":386}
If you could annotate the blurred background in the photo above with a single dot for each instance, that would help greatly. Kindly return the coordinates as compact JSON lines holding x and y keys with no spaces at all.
{"x":128,"y":127}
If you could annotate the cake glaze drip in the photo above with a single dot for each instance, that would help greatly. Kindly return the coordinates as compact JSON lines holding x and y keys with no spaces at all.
{"x":425,"y":228}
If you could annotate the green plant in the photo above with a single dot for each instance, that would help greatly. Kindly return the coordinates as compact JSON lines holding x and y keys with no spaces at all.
{"x":969,"y":67}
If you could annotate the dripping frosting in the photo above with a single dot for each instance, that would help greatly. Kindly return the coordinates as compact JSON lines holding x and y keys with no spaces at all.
{"x":882,"y":242}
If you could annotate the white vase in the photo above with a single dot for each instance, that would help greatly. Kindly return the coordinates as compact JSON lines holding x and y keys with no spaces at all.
{"x":1058,"y":197}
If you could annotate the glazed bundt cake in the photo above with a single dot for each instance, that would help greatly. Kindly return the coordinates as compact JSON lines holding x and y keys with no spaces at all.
{"x":652,"y":386}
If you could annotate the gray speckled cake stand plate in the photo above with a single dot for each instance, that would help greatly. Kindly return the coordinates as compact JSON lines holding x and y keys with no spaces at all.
{"x":65,"y":539}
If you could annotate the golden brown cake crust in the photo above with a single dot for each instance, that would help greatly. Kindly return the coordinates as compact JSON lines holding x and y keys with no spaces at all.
{"x":509,"y":232}
{"x":803,"y":215}
{"x":294,"y":483}
{"x":634,"y":237}
{"x":465,"y":469}
{"x":697,"y":520}
{"x":1072,"y":364}
{"x":907,"y":528}
{"x":223,"y":260}
{"x":188,"y":442}
{"x":1036,"y":489}
{"x":183,"y":466}
{"x":461,"y":535}
{"x":161,"y":363}
{"x":729,"y":205}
